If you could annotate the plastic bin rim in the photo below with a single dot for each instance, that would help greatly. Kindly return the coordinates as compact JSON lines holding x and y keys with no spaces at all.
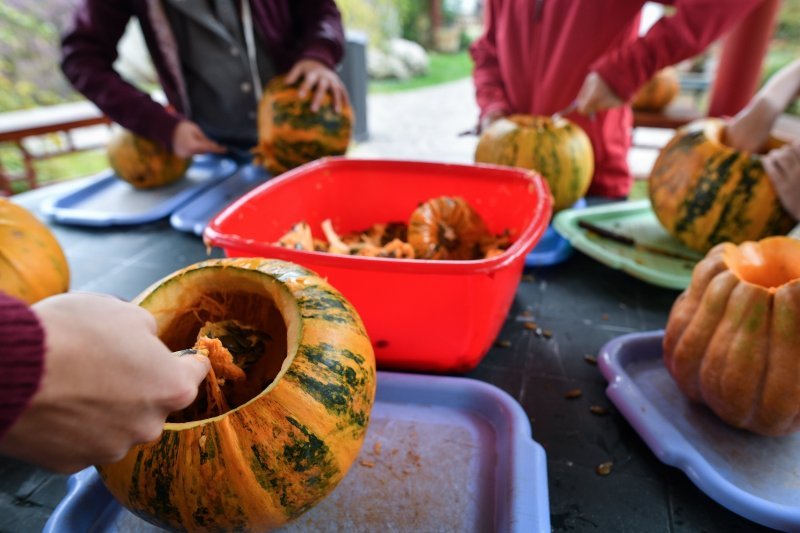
{"x":519,"y":248}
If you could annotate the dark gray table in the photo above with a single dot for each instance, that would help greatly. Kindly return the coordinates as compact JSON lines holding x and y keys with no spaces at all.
{"x":583,"y":303}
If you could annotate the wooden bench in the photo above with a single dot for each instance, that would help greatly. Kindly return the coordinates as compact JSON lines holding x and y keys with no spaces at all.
{"x":19,"y":126}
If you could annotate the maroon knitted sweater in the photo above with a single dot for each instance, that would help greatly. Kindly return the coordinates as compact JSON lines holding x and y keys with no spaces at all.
{"x":21,"y":358}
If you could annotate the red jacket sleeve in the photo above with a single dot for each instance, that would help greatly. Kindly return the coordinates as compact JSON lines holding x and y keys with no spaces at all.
{"x":489,"y":91}
{"x":21,"y":359}
{"x":694,"y":25}
{"x":89,"y":50}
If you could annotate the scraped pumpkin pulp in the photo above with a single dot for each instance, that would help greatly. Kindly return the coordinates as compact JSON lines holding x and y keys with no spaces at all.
{"x":245,"y":356}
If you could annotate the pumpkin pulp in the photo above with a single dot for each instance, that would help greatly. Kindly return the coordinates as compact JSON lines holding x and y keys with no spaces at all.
{"x":247,"y":303}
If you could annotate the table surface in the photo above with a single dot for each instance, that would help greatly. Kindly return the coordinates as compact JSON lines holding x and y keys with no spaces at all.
{"x":583,"y":303}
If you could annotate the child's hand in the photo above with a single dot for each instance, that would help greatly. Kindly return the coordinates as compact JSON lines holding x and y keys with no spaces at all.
{"x":783,"y":167}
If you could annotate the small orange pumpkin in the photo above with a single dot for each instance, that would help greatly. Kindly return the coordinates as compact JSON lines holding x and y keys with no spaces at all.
{"x":658,"y":92}
{"x":732,"y":337}
{"x":143,"y":163}
{"x":447,"y":228}
{"x":32,"y":263}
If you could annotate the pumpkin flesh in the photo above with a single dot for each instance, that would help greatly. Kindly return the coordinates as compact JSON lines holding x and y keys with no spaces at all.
{"x":278,"y":453}
{"x":731,"y":338}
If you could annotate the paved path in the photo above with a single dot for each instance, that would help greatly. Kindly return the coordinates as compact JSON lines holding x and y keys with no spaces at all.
{"x":421,"y":124}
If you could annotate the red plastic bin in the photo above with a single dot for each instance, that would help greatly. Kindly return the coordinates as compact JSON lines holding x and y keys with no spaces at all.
{"x":433,"y":316}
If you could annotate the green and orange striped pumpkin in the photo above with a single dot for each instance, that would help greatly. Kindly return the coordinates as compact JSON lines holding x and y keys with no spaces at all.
{"x":290,"y":134}
{"x":32,"y":262}
{"x":732,"y":337}
{"x":658,"y":92}
{"x":270,"y":459}
{"x":142,"y":162}
{"x":560,"y":151}
{"x":704,"y":192}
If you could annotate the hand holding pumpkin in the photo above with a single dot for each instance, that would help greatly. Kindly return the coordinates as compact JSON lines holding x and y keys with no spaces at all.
{"x":108,"y":383}
{"x":188,"y":140}
{"x":320,"y":79}
{"x":783,"y":168}
{"x":596,"y":95}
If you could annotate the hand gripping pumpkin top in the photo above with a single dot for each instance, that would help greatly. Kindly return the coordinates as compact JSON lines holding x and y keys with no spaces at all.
{"x":560,"y":151}
{"x":704,"y":192}
{"x":290,"y":134}
{"x":310,"y":369}
{"x":732,"y":339}
{"x":143,"y":163}
{"x":32,"y":263}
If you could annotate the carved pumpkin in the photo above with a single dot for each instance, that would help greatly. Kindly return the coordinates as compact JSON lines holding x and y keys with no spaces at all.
{"x":732,"y":337}
{"x":291,"y":134}
{"x":658,"y":92}
{"x":142,"y":162}
{"x":271,"y":456}
{"x":32,"y":263}
{"x":447,"y":228}
{"x":560,"y":151}
{"x":704,"y":192}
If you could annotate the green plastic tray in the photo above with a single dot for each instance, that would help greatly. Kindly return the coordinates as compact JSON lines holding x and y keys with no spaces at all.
{"x":633,"y":219}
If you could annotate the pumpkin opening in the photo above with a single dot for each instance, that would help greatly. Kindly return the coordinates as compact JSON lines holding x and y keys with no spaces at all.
{"x":245,"y":336}
{"x":769,"y":263}
{"x":719,"y":135}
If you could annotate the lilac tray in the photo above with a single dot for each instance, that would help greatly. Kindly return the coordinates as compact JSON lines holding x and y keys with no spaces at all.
{"x":193,"y":217}
{"x":441,"y":454}
{"x":756,"y":477}
{"x":107,"y":200}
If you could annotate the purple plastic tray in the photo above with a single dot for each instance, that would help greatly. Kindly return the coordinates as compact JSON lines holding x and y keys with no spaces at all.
{"x":441,"y":454}
{"x":107,"y":200}
{"x":756,"y":477}
{"x":193,"y":217}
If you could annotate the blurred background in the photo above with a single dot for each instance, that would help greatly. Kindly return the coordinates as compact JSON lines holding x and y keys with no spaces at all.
{"x":408,"y":45}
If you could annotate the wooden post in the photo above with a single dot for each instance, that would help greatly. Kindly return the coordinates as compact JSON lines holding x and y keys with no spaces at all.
{"x":741,"y":61}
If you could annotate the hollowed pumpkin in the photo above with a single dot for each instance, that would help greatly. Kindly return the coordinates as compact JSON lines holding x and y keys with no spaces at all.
{"x":447,"y":228}
{"x":290,"y":134}
{"x":142,"y":162}
{"x":658,"y":92}
{"x":274,"y":455}
{"x":32,"y":263}
{"x":704,"y":192}
{"x":732,"y":337}
{"x":560,"y":151}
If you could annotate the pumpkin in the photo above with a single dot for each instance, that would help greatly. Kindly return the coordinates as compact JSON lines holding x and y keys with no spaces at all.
{"x":447,"y":228}
{"x":142,"y":162}
{"x":732,"y":337}
{"x":704,"y":192}
{"x":271,"y":456}
{"x":658,"y":92}
{"x":32,"y":263}
{"x":290,"y":134}
{"x":559,"y":150}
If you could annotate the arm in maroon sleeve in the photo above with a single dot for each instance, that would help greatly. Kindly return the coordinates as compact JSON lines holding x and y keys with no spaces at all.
{"x":489,"y":91}
{"x":694,"y":26}
{"x":89,"y":50}
{"x":21,"y":358}
{"x":319,"y":24}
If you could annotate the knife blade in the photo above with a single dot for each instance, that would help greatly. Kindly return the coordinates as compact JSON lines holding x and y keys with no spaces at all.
{"x":558,"y":115}
{"x":631,"y":242}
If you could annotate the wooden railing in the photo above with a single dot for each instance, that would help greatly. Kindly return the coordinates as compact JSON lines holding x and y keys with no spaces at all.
{"x":19,"y":128}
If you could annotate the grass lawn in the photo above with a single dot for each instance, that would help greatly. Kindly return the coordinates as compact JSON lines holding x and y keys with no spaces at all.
{"x":443,"y":68}
{"x":61,"y":168}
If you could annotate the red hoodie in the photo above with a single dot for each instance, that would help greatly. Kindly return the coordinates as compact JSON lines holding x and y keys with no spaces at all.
{"x":535,"y":54}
